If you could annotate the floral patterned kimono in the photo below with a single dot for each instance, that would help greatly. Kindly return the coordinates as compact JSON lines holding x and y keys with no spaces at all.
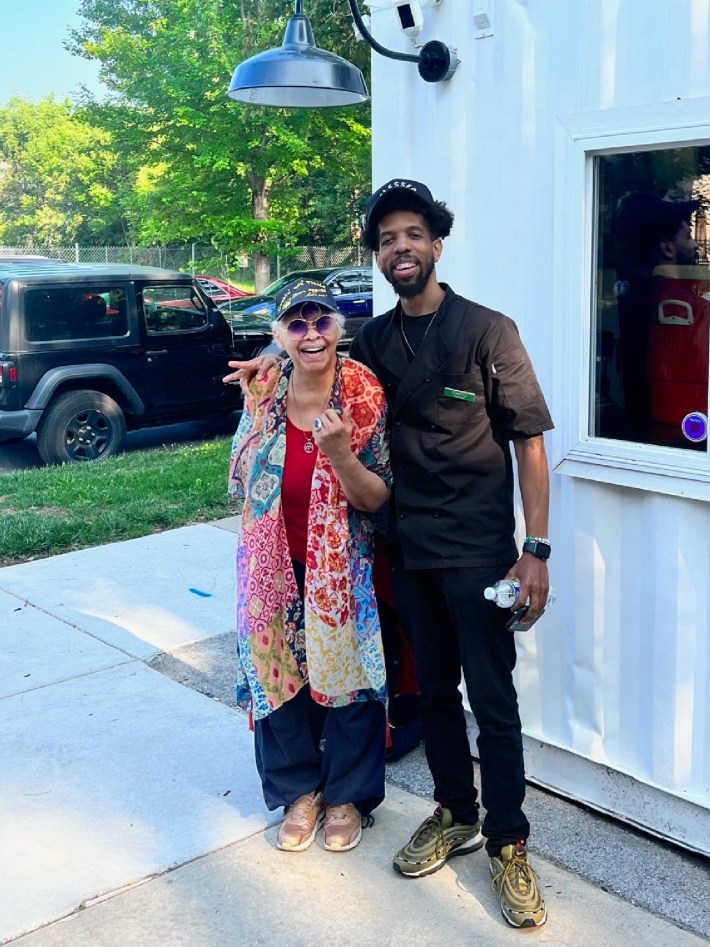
{"x":332,"y":641}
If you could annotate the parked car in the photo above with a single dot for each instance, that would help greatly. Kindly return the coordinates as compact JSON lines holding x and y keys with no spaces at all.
{"x":220,"y":291}
{"x":350,"y":285}
{"x":89,"y":351}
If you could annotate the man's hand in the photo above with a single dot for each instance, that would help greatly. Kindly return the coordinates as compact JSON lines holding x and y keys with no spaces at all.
{"x":258,"y":368}
{"x":534,"y":583}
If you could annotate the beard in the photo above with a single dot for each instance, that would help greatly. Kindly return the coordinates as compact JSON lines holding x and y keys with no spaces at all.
{"x":686,"y":256}
{"x":410,"y":289}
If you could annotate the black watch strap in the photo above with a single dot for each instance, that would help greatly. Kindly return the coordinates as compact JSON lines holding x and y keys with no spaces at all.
{"x":538,"y":547}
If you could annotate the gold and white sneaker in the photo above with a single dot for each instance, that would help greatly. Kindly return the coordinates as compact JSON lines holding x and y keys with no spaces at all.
{"x":515,"y":881}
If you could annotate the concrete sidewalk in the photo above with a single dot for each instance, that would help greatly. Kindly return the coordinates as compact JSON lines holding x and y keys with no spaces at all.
{"x":130,"y":809}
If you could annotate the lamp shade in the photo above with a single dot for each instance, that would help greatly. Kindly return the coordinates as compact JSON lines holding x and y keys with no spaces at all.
{"x":298,"y":74}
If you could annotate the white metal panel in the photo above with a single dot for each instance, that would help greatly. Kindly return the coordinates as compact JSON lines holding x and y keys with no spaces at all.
{"x":617,"y":675}
{"x":631,"y":690}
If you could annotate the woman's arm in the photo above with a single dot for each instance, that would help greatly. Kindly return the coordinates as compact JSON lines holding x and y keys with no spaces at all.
{"x":365,"y":489}
{"x":235,"y":487}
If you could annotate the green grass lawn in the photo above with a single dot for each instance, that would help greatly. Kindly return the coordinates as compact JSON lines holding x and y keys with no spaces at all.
{"x":51,"y":510}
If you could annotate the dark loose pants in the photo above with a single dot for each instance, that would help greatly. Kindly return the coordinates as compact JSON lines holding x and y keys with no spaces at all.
{"x":303,"y":746}
{"x":452,"y":627}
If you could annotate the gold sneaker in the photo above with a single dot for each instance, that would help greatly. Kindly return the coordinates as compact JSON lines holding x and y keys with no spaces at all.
{"x":436,"y":840}
{"x":515,"y":881}
{"x":342,"y":829}
{"x":301,"y":821}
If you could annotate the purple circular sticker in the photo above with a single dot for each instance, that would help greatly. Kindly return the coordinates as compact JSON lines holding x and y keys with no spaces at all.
{"x":695,"y":426}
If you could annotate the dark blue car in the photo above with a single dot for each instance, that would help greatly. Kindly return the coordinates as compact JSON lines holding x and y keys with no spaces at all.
{"x":350,"y":285}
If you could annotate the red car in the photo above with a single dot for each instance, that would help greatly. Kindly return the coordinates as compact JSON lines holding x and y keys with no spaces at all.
{"x":219,"y":290}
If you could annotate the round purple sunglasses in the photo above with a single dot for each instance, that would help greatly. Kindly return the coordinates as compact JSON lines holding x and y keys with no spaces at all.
{"x":298,"y":327}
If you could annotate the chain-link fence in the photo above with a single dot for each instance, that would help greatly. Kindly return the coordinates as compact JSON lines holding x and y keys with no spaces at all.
{"x":202,"y":259}
{"x":302,"y":258}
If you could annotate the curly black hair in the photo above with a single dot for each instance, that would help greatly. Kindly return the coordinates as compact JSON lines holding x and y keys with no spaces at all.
{"x":439,"y":219}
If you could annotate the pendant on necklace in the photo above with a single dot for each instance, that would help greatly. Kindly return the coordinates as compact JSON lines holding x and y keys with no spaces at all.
{"x":308,"y":446}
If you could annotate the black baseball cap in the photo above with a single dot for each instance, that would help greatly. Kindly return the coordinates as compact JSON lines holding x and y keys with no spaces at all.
{"x":304,"y":290}
{"x":648,"y":215}
{"x":394,"y":194}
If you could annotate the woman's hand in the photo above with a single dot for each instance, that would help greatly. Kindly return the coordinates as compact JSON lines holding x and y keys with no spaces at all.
{"x":364,"y":489}
{"x":245,"y":373}
{"x":332,"y":434}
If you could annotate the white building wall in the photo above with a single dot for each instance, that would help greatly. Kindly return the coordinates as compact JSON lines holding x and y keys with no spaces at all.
{"x":614,"y":682}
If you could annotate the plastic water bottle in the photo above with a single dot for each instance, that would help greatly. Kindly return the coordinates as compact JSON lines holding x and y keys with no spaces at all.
{"x":505,"y":592}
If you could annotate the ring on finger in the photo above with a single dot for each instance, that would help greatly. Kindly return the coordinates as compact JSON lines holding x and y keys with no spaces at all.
{"x":317,"y":425}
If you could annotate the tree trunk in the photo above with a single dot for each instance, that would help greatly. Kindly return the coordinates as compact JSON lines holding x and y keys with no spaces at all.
{"x":262,"y":270}
{"x":260,"y":211}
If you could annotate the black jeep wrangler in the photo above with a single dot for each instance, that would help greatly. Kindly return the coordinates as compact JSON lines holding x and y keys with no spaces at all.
{"x":88,"y":351}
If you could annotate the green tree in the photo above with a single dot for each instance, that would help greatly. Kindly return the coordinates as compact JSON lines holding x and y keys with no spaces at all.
{"x":57,"y":176}
{"x":213,"y":168}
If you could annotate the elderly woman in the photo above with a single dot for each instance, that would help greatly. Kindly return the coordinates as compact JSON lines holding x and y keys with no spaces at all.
{"x":309,"y":463}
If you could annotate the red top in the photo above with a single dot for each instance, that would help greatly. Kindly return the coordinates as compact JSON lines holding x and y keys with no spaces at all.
{"x":296,"y":490}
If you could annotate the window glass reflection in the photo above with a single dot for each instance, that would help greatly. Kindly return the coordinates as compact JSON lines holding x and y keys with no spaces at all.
{"x":70,"y":314}
{"x":653,"y":297}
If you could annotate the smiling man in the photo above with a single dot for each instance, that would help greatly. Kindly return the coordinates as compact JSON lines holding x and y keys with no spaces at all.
{"x":460,"y":388}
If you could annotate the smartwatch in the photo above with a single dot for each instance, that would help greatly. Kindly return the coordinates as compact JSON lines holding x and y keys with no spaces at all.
{"x":540,"y":548}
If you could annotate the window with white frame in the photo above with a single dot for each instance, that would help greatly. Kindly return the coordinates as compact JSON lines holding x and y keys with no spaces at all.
{"x":632,"y":291}
{"x":652,"y":297}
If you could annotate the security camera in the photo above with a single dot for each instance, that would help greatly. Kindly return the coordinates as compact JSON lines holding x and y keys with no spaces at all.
{"x":410,"y":16}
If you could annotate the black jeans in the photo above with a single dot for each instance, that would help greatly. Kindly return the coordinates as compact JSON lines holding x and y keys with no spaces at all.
{"x":452,"y":626}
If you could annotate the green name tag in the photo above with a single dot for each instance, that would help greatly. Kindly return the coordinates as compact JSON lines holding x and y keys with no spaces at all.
{"x":461,"y":395}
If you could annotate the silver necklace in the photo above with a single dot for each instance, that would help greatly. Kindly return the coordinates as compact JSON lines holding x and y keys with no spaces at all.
{"x":309,"y":446}
{"x":426,"y":333}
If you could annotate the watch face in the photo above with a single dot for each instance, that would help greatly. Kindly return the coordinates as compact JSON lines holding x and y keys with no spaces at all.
{"x":541,"y":550}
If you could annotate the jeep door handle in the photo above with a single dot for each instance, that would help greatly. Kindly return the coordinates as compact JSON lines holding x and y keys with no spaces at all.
{"x":157,"y":352}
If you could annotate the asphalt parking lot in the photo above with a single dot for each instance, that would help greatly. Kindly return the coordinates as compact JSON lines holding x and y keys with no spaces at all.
{"x":22,"y":455}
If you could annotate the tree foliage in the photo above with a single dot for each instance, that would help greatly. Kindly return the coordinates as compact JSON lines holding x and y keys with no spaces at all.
{"x":167,"y":156}
{"x":58,"y":176}
{"x":211,"y":168}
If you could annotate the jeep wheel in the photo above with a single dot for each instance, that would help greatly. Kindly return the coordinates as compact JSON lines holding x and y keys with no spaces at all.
{"x":80,"y":425}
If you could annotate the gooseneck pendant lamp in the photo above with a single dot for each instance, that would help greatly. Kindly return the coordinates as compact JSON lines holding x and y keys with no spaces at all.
{"x":298,"y":74}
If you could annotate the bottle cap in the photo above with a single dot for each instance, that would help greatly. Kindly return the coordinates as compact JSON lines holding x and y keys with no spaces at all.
{"x":489,"y":593}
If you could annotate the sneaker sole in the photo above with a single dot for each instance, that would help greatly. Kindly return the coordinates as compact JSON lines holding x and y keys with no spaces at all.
{"x":343,"y":848}
{"x":473,"y":845}
{"x":528,"y":922}
{"x":306,"y":843}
